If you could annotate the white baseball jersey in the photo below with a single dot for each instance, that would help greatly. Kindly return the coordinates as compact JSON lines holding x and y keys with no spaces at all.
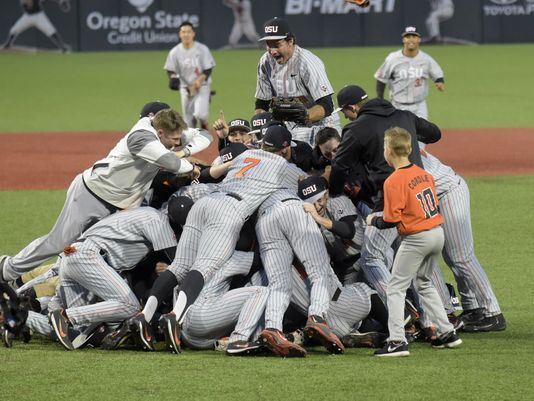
{"x":407,"y":77}
{"x":188,"y":64}
{"x":302,"y":77}
{"x":125,"y":175}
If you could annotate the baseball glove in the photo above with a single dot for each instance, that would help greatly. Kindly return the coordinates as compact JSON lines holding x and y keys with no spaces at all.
{"x":14,"y":314}
{"x":174,"y":84}
{"x":361,"y":3}
{"x":289,"y":110}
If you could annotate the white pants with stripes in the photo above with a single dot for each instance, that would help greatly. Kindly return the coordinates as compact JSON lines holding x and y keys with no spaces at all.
{"x":197,"y":106}
{"x":473,"y":284}
{"x":80,"y":211}
{"x":209,"y":236}
{"x":238,"y":312}
{"x":38,"y":20}
{"x":282,"y":231}
{"x":345,"y":313}
{"x":413,"y":262}
{"x":85,"y":272}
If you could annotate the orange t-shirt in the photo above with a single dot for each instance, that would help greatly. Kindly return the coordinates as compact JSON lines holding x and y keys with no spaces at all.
{"x":410,"y":200}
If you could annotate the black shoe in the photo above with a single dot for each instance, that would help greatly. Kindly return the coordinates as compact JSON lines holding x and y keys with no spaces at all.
{"x":117,"y":338}
{"x":447,"y":340}
{"x":393,"y":348}
{"x":470,"y":316}
{"x":144,"y":337}
{"x":242,"y":347}
{"x":171,"y":329}
{"x":372,"y":339}
{"x":457,"y":323}
{"x":60,"y":324}
{"x":91,"y":337}
{"x":317,"y":328}
{"x":491,"y":323}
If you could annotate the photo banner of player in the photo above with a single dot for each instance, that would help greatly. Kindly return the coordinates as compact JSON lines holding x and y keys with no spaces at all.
{"x":100,"y":25}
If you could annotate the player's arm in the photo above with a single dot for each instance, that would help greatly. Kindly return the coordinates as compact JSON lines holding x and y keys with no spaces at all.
{"x":346,"y":156}
{"x":323,"y":107}
{"x":194,"y":140}
{"x":426,"y":131}
{"x":394,"y":204}
{"x":145,"y":145}
{"x":436,"y":74}
{"x":440,"y":84}
{"x":264,"y":89}
{"x":380,"y":89}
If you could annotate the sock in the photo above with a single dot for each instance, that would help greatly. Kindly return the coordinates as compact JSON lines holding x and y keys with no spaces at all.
{"x":161,"y":289}
{"x":378,"y":311}
{"x":188,"y":293}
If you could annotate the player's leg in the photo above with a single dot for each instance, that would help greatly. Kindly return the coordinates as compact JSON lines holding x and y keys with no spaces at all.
{"x":23,"y":23}
{"x":45,"y":26}
{"x":249,"y":29}
{"x":187,"y":107}
{"x":459,"y":251}
{"x":432,"y":24}
{"x":375,"y":247}
{"x":80,"y":211}
{"x":235,"y":34}
{"x":201,"y":106}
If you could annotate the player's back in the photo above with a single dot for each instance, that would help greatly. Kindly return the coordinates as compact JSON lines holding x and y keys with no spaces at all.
{"x":256,"y":174}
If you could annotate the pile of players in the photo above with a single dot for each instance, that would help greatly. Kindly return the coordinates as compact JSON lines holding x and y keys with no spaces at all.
{"x":295,"y":234}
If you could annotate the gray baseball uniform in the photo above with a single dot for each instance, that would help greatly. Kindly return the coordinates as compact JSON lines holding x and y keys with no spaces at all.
{"x":243,"y":22}
{"x":459,"y":254}
{"x":440,"y":10}
{"x":283,"y":229}
{"x":302,"y":77}
{"x":118,"y":181}
{"x":349,"y":304}
{"x":218,"y":312}
{"x":254,"y":175}
{"x":188,"y":64}
{"x":114,"y":244}
{"x":407,"y":80}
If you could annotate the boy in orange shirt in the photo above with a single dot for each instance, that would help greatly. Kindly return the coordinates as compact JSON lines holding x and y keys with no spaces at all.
{"x":411,"y":205}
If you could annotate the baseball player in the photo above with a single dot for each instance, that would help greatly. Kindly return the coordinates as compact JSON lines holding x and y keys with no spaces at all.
{"x":411,"y":205}
{"x":243,"y":22}
{"x":119,"y":181}
{"x":288,"y":71}
{"x":202,"y":250}
{"x":440,"y":10}
{"x":34,"y":16}
{"x":219,"y":311}
{"x":283,"y":229}
{"x":480,"y":305}
{"x":189,"y":65}
{"x":237,"y":130}
{"x":91,"y":266}
{"x":406,"y":73}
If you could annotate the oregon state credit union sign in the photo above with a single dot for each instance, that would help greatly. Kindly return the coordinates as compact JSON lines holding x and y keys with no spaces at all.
{"x":134,"y":23}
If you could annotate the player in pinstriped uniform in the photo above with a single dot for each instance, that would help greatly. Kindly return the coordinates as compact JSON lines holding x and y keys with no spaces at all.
{"x":440,"y":10}
{"x":284,"y":229}
{"x":91,"y":265}
{"x":406,"y":73}
{"x":202,"y":250}
{"x":189,"y":65}
{"x":288,"y":71}
{"x":219,"y":311}
{"x":119,"y":181}
{"x":458,"y":252}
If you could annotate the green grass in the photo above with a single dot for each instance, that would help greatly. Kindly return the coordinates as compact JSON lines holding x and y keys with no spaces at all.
{"x":487,"y":86}
{"x":492,"y":366}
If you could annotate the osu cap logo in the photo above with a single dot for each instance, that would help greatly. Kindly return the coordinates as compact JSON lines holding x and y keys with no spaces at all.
{"x":309,"y":190}
{"x":141,"y":5}
{"x":271,"y":29}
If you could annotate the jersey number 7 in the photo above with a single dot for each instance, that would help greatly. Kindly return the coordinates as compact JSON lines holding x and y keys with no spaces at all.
{"x":250,"y":163}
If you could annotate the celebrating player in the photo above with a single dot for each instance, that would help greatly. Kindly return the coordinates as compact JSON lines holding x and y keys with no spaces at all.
{"x":290,"y":72}
{"x":189,"y":65}
{"x":406,"y":73}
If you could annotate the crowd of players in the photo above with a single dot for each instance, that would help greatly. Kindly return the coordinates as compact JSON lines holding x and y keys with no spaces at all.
{"x":267,"y":248}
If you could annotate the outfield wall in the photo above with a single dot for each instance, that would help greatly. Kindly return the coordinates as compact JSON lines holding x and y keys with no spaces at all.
{"x":95,"y":25}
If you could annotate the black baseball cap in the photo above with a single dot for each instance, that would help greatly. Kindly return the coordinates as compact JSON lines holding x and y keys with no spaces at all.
{"x":350,"y":94}
{"x":238,"y":124}
{"x":178,"y":208}
{"x":410,"y":30}
{"x":275,"y":29}
{"x":231,"y":151}
{"x":277,"y":136}
{"x":153,"y":107}
{"x":312,"y":188}
{"x":259,"y":120}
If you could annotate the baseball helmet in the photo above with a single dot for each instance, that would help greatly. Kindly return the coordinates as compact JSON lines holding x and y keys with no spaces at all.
{"x":178,"y":208}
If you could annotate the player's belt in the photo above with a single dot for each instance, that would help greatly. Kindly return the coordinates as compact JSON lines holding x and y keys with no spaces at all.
{"x":289,"y":199}
{"x":337,"y":293}
{"x":235,"y":196}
